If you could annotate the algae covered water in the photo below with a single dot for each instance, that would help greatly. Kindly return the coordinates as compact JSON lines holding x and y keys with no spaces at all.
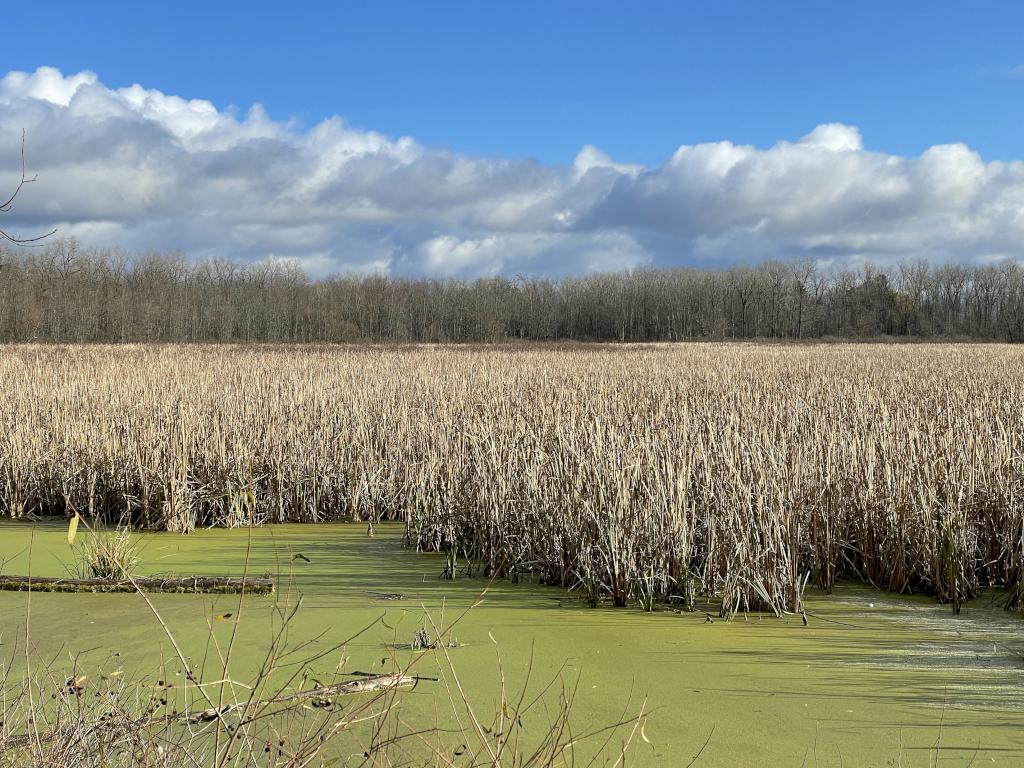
{"x":873,"y":679}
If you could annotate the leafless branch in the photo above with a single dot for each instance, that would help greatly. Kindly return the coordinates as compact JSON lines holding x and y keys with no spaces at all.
{"x":9,"y":204}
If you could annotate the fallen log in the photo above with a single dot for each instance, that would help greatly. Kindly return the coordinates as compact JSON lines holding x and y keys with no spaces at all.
{"x":370,"y":683}
{"x":186,"y":585}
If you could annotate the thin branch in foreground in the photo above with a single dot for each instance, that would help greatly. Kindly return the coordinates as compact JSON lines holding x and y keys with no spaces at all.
{"x":9,"y":203}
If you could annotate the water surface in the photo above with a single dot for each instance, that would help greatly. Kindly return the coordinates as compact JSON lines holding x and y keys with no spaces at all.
{"x":873,"y":680}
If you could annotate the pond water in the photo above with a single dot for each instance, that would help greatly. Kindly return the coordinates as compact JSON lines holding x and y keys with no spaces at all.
{"x":872,"y":680}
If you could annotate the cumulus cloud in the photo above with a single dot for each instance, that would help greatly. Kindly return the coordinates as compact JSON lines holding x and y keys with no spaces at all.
{"x":137,"y":168}
{"x":556,"y":254}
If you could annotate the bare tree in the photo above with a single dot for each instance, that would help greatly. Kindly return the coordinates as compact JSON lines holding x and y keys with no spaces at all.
{"x":63,"y":291}
{"x":801,"y":270}
{"x":745,"y":285}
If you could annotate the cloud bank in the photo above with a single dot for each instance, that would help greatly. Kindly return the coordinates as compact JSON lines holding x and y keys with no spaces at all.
{"x":140,"y":169}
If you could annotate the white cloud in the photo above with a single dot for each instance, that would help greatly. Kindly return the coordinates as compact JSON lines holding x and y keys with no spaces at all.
{"x":590,"y":157}
{"x":138,"y":168}
{"x":46,"y":84}
{"x":834,"y":137}
{"x":520,"y":253}
{"x":319,"y":265}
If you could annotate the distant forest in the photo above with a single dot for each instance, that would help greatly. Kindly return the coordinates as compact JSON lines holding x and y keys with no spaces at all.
{"x":62,"y":292}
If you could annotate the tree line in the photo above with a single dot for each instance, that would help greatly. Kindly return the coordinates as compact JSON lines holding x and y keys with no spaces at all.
{"x":64,"y":292}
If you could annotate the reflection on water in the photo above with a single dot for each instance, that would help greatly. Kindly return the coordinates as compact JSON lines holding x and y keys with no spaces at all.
{"x":979,"y":654}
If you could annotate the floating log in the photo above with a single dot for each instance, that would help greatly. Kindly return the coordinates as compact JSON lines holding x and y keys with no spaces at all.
{"x":185,"y":585}
{"x":320,"y":696}
{"x":386,"y":595}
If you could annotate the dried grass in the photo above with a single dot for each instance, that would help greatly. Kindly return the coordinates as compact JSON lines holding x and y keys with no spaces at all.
{"x":640,"y":474}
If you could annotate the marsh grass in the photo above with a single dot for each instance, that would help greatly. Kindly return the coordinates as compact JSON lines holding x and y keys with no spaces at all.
{"x":102,"y":554}
{"x":645,"y":474}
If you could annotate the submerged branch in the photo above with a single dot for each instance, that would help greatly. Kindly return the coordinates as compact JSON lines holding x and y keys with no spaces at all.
{"x":368,"y":684}
{"x":189,"y":585}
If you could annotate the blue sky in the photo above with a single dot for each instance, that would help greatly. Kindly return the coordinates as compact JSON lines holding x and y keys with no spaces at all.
{"x":540,"y":79}
{"x":480,"y":138}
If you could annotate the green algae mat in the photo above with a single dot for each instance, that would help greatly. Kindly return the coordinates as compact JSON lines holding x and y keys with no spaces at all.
{"x":872,"y":680}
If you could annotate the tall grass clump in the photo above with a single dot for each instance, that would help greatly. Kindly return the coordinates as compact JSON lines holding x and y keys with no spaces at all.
{"x":638,"y":474}
{"x":105,"y":555}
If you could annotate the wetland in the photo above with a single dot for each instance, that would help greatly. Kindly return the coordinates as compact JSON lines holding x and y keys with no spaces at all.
{"x":872,"y":679}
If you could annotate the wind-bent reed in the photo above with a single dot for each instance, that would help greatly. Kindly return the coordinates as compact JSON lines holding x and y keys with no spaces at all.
{"x":640,"y":473}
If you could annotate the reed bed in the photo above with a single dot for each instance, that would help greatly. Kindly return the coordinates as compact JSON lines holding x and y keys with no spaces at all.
{"x":638,"y":474}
